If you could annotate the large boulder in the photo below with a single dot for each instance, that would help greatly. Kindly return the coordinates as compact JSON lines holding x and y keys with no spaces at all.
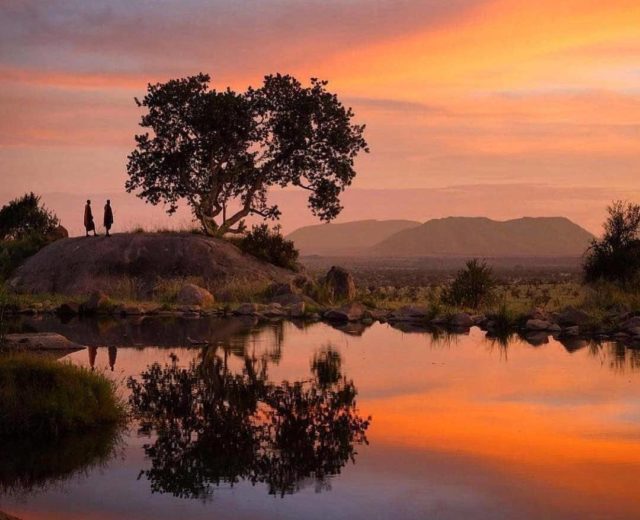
{"x":339,"y":284}
{"x":77,"y":266}
{"x":191,"y":294}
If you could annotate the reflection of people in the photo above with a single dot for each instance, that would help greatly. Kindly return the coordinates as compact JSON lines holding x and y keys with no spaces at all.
{"x":113,"y":352}
{"x":108,"y":217}
{"x":89,"y":225}
{"x":93,"y":351}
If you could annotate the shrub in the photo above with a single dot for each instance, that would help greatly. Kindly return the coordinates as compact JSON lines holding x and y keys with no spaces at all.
{"x":43,"y":398}
{"x":269,"y":245}
{"x":616,"y":256}
{"x":472,"y":287}
{"x":14,"y":252}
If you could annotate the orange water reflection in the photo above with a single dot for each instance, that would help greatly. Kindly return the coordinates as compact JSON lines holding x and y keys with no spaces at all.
{"x":553,"y":433}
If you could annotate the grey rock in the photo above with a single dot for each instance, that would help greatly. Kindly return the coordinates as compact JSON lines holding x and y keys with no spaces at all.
{"x":350,"y":312}
{"x":409,"y":313}
{"x":41,"y":341}
{"x":191,"y":294}
{"x":461,"y":320}
{"x":297,"y":310}
{"x":247,"y":309}
{"x":537,"y":324}
{"x":68,"y":309}
{"x":572,"y":316}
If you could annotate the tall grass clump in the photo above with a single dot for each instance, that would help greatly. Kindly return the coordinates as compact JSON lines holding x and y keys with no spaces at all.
{"x":41,"y":397}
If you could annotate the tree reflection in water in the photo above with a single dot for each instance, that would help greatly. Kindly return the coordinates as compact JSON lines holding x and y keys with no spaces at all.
{"x":212,"y":425}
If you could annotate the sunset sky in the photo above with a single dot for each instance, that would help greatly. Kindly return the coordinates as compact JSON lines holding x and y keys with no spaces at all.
{"x":523,"y":107}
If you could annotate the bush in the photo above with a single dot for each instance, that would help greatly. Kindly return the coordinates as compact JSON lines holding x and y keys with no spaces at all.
{"x":14,"y":252}
{"x":472,"y":287}
{"x":616,"y":256}
{"x":269,"y":245}
{"x":43,"y":398}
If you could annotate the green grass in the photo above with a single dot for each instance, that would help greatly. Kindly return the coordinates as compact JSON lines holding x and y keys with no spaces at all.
{"x":41,"y":397}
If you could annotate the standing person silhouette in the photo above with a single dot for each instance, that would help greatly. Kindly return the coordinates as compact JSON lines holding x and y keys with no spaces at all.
{"x":89,"y":225}
{"x":108,"y":217}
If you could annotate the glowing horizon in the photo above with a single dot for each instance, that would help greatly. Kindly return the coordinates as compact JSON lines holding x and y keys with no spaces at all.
{"x":472,"y":92}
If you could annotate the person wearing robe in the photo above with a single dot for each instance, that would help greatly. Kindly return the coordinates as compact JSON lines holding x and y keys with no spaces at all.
{"x":89,"y":225}
{"x":113,"y":353}
{"x":108,"y":217}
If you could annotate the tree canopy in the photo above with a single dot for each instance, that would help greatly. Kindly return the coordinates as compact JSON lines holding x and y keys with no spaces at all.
{"x":616,"y":256}
{"x":222,"y":151}
{"x":26,"y":216}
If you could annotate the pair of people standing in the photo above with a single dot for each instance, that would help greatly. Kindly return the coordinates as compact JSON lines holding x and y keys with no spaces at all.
{"x":89,"y":224}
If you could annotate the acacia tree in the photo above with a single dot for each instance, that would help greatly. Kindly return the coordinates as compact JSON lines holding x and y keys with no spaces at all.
{"x":616,"y":256}
{"x":222,"y":149}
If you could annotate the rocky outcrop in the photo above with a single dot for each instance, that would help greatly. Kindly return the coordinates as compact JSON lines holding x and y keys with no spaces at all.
{"x":339,"y":284}
{"x":77,"y":266}
{"x":41,"y":341}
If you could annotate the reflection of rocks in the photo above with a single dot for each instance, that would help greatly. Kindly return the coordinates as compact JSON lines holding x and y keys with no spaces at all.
{"x":571,"y":344}
{"x":145,"y":330}
{"x":5,"y":516}
{"x":536,"y":338}
{"x":353,"y":328}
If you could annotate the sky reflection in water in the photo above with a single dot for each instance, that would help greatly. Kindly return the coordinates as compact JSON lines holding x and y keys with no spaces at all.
{"x":462,"y":427}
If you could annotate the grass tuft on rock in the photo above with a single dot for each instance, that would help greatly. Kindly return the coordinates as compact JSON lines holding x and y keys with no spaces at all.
{"x":41,"y":397}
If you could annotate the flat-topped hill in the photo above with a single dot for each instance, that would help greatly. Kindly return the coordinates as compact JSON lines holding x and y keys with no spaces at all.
{"x":347,"y":238}
{"x":479,"y":236}
{"x":138,"y":262}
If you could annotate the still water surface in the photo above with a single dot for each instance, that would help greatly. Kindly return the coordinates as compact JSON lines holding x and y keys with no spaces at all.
{"x":461,"y":427}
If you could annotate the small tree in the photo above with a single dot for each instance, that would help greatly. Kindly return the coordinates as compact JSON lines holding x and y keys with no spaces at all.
{"x":616,"y":256}
{"x":220,"y":150}
{"x":472,"y":287}
{"x":26,"y":216}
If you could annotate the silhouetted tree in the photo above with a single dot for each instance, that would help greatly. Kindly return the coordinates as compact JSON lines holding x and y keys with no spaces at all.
{"x":211,"y":425}
{"x":616,"y":256}
{"x":26,"y":226}
{"x":26,"y":216}
{"x":213,"y":148}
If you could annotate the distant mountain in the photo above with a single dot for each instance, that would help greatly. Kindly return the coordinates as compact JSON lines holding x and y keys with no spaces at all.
{"x":471,"y":236}
{"x":350,"y":238}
